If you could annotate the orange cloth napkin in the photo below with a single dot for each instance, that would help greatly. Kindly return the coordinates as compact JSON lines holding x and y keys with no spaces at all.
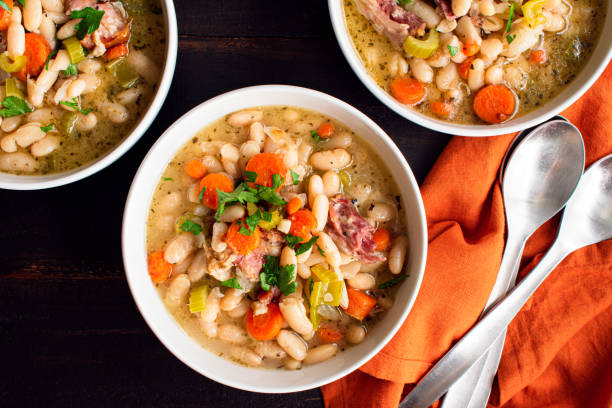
{"x":558,"y":352}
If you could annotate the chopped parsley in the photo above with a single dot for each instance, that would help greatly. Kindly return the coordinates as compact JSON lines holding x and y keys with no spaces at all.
{"x":295,"y":177}
{"x":201,"y":195}
{"x":241,"y":194}
{"x":250,"y":223}
{"x":14,"y":106}
{"x":231,"y":283}
{"x":510,"y":38}
{"x":170,"y":179}
{"x":306,"y":246}
{"x":315,"y":136}
{"x":453,"y":50}
{"x":292,"y":240}
{"x":22,"y":2}
{"x":70,"y":70}
{"x":74,"y":104}
{"x":321,"y":251}
{"x":49,"y":59}
{"x":509,"y":25}
{"x":90,"y":22}
{"x":274,"y":275}
{"x":190,"y":226}
{"x":246,"y":194}
{"x":46,"y":128}
{"x":5,"y":6}
{"x":250,"y":176}
{"x":392,"y":282}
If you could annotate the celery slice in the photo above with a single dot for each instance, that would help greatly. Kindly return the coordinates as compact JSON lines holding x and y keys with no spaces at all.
{"x":75,"y":50}
{"x":323,"y":274}
{"x":68,"y":122}
{"x":197,"y":298}
{"x":126,"y":75}
{"x":532,"y":11}
{"x":13,"y":64}
{"x":268,"y":225}
{"x":422,"y":48}
{"x":251,"y":208}
{"x":345,"y":178}
{"x":12,"y":88}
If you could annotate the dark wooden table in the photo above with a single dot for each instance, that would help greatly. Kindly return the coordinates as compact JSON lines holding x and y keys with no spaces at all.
{"x":70,"y":332}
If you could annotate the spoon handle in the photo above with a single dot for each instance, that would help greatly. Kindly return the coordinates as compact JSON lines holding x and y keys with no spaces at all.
{"x":461,"y":392}
{"x":477,"y":341}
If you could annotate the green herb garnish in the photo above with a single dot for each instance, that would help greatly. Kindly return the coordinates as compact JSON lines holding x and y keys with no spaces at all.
{"x":292,"y":240}
{"x":75,"y":105}
{"x":70,"y":70}
{"x":281,"y":276}
{"x":46,"y":128}
{"x":14,"y":106}
{"x":22,"y":2}
{"x":392,"y":282}
{"x":295,"y":177}
{"x":241,"y":194}
{"x":250,"y":176}
{"x":170,"y":179}
{"x":453,"y":50}
{"x":49,"y":59}
{"x":315,"y":136}
{"x":90,"y":22}
{"x":5,"y":6}
{"x":510,"y":38}
{"x":321,"y":251}
{"x":190,"y":226}
{"x":231,"y":283}
{"x":306,"y":246}
{"x":509,"y":25}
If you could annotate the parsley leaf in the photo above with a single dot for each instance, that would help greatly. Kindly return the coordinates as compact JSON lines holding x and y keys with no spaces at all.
{"x":286,"y":279}
{"x":251,"y":223}
{"x":14,"y":106}
{"x":231,"y":283}
{"x":74,"y":104}
{"x":250,"y":176}
{"x":5,"y":6}
{"x":22,"y":2}
{"x":315,"y":136}
{"x":510,"y":38}
{"x":190,"y":226}
{"x":277,"y":181}
{"x":49,"y":59}
{"x":306,"y":246}
{"x":295,"y":177}
{"x":292,"y":240}
{"x":170,"y":179}
{"x":509,"y":25}
{"x":70,"y":70}
{"x":46,"y":128}
{"x":453,"y":50}
{"x":273,"y":275}
{"x":241,"y":194}
{"x":321,"y":251}
{"x":392,"y":282}
{"x":90,"y":22}
{"x":201,"y":195}
{"x":266,"y":216}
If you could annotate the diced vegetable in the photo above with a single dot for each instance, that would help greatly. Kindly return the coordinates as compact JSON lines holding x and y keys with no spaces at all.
{"x":274,"y":220}
{"x":195,"y":168}
{"x":470,"y":48}
{"x":329,"y":334}
{"x":294,"y":204}
{"x":345,"y":178}
{"x":266,"y":165}
{"x":75,"y":50}
{"x":360,"y":304}
{"x":5,"y":15}
{"x":537,"y":56}
{"x":123,"y":72}
{"x":422,"y":48}
{"x":13,"y":64}
{"x":323,"y":274}
{"x":316,"y":295}
{"x":532,"y":13}
{"x":442,"y":109}
{"x":197,"y":298}
{"x":252,"y":208}
{"x":159,"y":268}
{"x":408,"y":91}
{"x":12,"y":89}
{"x":464,"y":68}
{"x":325,"y":130}
{"x":265,"y":326}
{"x":37,"y":50}
{"x":210,"y":183}
{"x":68,"y":122}
{"x":333,"y":293}
{"x":117,"y":51}
{"x":382,"y":237}
{"x":302,"y":222}
{"x":494,"y":103}
{"x":241,"y":243}
{"x":180,"y":222}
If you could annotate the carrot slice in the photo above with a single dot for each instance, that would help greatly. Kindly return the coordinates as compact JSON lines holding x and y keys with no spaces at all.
{"x":265,"y":326}
{"x":266,"y":165}
{"x":382,"y":237}
{"x":294,"y":204}
{"x":159,"y":268}
{"x":120,"y":37}
{"x":212,"y":182}
{"x":37,"y":50}
{"x":442,"y":109}
{"x":117,"y":51}
{"x":325,"y":130}
{"x":302,"y":222}
{"x":360,"y":304}
{"x":464,"y":68}
{"x":494,"y":103}
{"x":328,"y":334}
{"x":537,"y":56}
{"x":408,"y":91}
{"x":240,"y":243}
{"x":5,"y":16}
{"x":470,"y":48}
{"x":195,"y":168}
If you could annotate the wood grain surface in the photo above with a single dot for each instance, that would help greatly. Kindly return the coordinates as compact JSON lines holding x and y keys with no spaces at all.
{"x":70,"y":332}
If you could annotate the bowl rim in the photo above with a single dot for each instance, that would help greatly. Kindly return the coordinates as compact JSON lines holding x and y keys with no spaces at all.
{"x":132,"y":265}
{"x":346,"y":45}
{"x":37,"y":182}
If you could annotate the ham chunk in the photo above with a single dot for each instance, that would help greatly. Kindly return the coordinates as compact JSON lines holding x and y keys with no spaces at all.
{"x":391,"y":20}
{"x":350,"y":231}
{"x":71,"y":5}
{"x":251,"y":264}
{"x":114,"y":28}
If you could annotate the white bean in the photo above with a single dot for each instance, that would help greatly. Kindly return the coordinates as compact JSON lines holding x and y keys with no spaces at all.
{"x":8,"y":143}
{"x":461,"y":7}
{"x":87,"y":122}
{"x":447,"y":77}
{"x":35,"y":94}
{"x":294,"y":312}
{"x":15,"y":40}
{"x":303,"y":271}
{"x":58,"y":17}
{"x":10,"y":124}
{"x":320,"y":208}
{"x":210,"y":329}
{"x":331,"y":183}
{"x":397,"y":254}
{"x":459,"y":56}
{"x":486,"y":8}
{"x":177,"y":290}
{"x":28,"y":134}
{"x":524,"y":38}
{"x":381,"y":212}
{"x":245,"y":355}
{"x":339,"y":140}
{"x":244,"y":117}
{"x":212,"y":164}
{"x":439,"y":59}
{"x":67,"y":30}
{"x":241,"y":309}
{"x":320,"y":353}
{"x":210,"y":313}
{"x":287,"y":257}
{"x":270,"y":349}
{"x":423,"y":10}
{"x":217,"y":243}
{"x":115,"y":112}
{"x":32,"y":15}
{"x":232,"y":213}
{"x":143,"y":65}
{"x":179,"y":248}
{"x":362,"y":281}
{"x":126,"y":97}
{"x":491,"y":48}
{"x":284,"y":226}
{"x":233,"y":334}
{"x":301,"y":258}
{"x":476,"y":74}
{"x":314,"y":259}
{"x":494,"y":74}
{"x":330,"y":159}
{"x":170,"y":203}
{"x":292,"y":344}
{"x":76,"y":88}
{"x":397,"y":66}
{"x":44,"y":116}
{"x":292,"y":364}
{"x":446,"y":26}
{"x":256,"y":131}
{"x":513,"y":75}
{"x":89,"y":65}
{"x":421,"y":70}
{"x":466,"y":30}
{"x":492,"y":24}
{"x":18,"y":162}
{"x":315,"y":188}
{"x":355,"y":334}
{"x":350,"y":269}
{"x":304,"y":151}
{"x":554,"y":22}
{"x":197,"y":269}
{"x":45,"y":146}
{"x":53,"y":5}
{"x":248,"y":150}
{"x":329,"y":248}
{"x":47,"y":30}
{"x":231,"y":299}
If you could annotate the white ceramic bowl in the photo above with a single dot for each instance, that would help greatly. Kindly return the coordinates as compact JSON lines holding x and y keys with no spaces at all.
{"x":583,"y":81}
{"x":135,"y":254}
{"x":25,"y":182}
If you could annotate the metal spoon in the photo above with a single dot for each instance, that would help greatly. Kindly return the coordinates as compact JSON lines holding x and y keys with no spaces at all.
{"x":473,"y":388}
{"x":540,"y":176}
